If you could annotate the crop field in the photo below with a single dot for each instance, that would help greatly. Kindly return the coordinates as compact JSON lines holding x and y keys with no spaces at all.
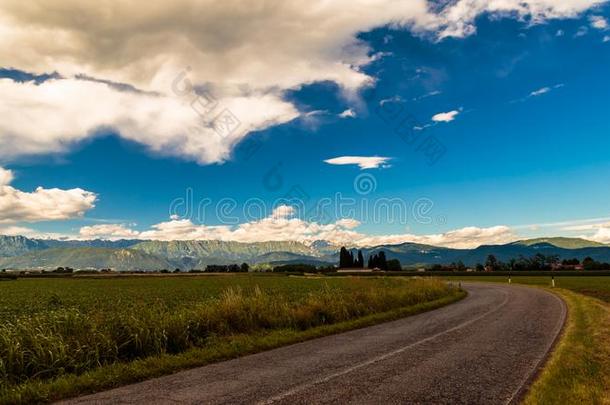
{"x":55,"y":331}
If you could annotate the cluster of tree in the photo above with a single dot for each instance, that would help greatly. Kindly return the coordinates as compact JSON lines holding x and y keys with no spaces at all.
{"x":166,"y":271}
{"x":455,"y":266}
{"x":378,"y":261}
{"x":229,"y":268}
{"x":590,"y":264}
{"x":348,"y":261}
{"x":303,"y":268}
{"x":63,"y":270}
{"x":540,"y":262}
{"x":375,"y":261}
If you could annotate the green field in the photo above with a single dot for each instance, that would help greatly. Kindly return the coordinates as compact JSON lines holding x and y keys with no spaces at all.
{"x":29,"y":296}
{"x":62,"y":337}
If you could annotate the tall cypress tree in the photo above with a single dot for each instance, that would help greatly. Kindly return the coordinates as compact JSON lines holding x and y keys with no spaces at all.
{"x":360,"y":260}
{"x":383,"y":263}
{"x":343,"y":258}
{"x":370,"y":263}
{"x":351,"y":259}
{"x":374,"y":261}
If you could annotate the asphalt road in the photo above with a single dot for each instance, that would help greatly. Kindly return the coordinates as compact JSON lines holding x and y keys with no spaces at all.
{"x":484,"y":349}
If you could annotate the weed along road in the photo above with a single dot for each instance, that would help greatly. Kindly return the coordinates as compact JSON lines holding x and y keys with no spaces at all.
{"x":484,"y":349}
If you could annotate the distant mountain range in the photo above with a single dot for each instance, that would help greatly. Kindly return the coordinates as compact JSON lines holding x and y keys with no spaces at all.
{"x":18,"y":252}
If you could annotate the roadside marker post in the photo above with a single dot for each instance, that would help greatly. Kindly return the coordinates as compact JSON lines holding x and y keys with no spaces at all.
{"x":509,"y":279}
{"x":553,"y":281}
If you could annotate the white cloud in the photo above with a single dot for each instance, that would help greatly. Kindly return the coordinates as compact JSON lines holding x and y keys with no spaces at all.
{"x":464,"y":238}
{"x":458,"y":19}
{"x":394,"y":99}
{"x":284,"y":227}
{"x":364,"y":162}
{"x":540,"y":92}
{"x":17,"y":231}
{"x":599,"y":22}
{"x":348,"y":223}
{"x":578,"y":226}
{"x":246,"y":54}
{"x":568,"y":225}
{"x":108,"y":231}
{"x":52,"y":116}
{"x":602,"y":235}
{"x":349,"y":113}
{"x":41,"y":204}
{"x":6,"y":177}
{"x":606,"y":38}
{"x":446,"y":116}
{"x":427,"y":95}
{"x":279,"y":226}
{"x":597,"y":231}
{"x":283,"y":211}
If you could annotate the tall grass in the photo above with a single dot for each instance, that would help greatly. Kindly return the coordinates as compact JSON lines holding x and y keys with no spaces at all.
{"x":59,"y":341}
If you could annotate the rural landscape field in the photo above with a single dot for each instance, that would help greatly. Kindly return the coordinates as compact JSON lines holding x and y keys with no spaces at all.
{"x":69,"y":327}
{"x":283,"y":202}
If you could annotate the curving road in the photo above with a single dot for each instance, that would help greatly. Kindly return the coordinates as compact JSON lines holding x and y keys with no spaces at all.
{"x":482,"y":350}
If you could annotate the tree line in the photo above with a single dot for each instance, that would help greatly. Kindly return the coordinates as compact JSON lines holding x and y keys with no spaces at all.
{"x":538,"y":262}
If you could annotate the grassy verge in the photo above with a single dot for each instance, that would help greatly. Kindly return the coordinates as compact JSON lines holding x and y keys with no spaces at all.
{"x":578,"y":371}
{"x":63,"y":353}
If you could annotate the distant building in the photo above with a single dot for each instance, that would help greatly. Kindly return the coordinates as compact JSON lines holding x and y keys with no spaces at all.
{"x":356,"y":270}
{"x":573,"y":267}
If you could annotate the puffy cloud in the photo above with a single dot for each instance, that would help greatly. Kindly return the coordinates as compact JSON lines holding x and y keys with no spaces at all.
{"x":41,"y":204}
{"x":281,"y":225}
{"x":599,"y":22}
{"x":446,"y":116}
{"x":51,"y":116}
{"x":348,"y":223}
{"x":247,"y":54}
{"x":229,"y":43}
{"x":184,"y":229}
{"x":283,"y":211}
{"x":463,"y":238}
{"x":108,"y":231}
{"x":17,"y":231}
{"x":364,"y":162}
{"x":602,"y":235}
{"x":349,"y":113}
{"x":597,"y":231}
{"x":6,"y":176}
{"x":458,"y":19}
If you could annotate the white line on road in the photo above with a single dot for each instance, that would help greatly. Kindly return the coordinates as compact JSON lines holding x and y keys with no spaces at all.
{"x":382,"y":357}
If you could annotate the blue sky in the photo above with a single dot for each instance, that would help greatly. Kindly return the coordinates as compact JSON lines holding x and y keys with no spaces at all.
{"x":522,"y":134}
